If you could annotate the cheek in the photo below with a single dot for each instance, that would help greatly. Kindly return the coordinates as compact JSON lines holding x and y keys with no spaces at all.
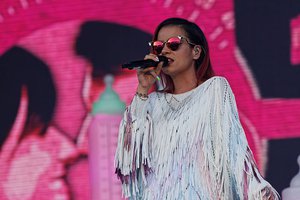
{"x":185,"y":57}
{"x":185,"y":52}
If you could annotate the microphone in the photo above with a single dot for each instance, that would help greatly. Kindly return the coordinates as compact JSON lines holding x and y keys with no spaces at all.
{"x":143,"y":64}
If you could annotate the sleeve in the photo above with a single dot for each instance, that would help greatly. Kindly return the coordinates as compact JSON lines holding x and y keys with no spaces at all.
{"x":240,"y":172}
{"x":132,"y":158}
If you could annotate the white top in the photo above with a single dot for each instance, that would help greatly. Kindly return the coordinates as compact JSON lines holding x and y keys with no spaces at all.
{"x":187,"y":146}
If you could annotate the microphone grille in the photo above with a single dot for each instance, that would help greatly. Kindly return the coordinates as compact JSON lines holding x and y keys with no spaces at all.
{"x":163,"y":59}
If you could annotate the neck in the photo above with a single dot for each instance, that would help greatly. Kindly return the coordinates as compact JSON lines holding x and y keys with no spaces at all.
{"x":184,"y":84}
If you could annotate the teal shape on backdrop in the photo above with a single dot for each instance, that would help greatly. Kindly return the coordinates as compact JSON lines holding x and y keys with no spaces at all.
{"x":109,"y":101}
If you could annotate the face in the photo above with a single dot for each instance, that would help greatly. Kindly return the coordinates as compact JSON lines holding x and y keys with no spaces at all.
{"x":181,"y":60}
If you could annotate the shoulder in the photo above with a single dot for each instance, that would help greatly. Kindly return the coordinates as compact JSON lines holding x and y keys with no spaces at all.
{"x":217,"y":82}
{"x":218,"y":86}
{"x":220,"y":80}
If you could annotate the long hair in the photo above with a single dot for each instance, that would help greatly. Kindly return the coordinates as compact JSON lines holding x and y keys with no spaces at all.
{"x":97,"y":42}
{"x":195,"y":35}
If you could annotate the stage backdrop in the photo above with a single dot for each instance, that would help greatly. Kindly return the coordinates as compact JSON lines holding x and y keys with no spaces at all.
{"x":54,"y":55}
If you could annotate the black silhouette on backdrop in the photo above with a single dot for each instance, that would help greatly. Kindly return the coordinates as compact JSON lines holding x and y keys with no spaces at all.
{"x":107,"y":45}
{"x":19,"y":67}
{"x":263,"y":35}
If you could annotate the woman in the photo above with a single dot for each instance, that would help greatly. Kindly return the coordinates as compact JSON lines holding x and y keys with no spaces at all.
{"x":186,"y":141}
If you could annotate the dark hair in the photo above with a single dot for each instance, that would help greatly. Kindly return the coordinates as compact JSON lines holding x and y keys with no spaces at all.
{"x":18,"y":68}
{"x":195,"y":35}
{"x":107,"y":45}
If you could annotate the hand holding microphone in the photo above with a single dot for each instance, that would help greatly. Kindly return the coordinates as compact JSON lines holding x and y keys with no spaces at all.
{"x":147,"y":71}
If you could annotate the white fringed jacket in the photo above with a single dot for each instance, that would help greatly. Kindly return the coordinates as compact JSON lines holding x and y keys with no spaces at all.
{"x":186,"y":147}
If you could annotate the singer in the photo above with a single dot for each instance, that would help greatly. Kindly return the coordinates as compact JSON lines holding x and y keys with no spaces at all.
{"x":185,"y":141}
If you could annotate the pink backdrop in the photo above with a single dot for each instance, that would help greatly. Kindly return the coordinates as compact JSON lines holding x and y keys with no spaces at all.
{"x":55,"y":166}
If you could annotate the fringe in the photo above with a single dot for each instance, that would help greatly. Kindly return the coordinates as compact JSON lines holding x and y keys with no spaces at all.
{"x":132,"y":158}
{"x":195,"y":151}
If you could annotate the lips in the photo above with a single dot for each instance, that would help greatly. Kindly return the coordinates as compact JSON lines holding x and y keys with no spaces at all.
{"x":170,"y":60}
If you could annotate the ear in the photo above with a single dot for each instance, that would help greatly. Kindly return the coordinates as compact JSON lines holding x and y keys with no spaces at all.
{"x":197,"y":52}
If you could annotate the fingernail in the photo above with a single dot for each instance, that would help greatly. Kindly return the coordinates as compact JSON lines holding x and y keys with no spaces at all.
{"x":156,"y":58}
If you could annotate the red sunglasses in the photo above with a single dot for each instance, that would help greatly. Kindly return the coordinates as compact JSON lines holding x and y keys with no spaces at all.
{"x":172,"y":43}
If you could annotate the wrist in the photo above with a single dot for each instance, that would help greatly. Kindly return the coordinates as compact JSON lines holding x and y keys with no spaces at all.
{"x":142,"y":90}
{"x":142,"y":93}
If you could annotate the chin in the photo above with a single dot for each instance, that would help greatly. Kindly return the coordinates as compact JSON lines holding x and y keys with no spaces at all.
{"x":167,"y":72}
{"x":168,"y":69}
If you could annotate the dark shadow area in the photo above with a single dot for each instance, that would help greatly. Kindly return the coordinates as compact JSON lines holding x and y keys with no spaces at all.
{"x":282,"y":162}
{"x":263,"y":35}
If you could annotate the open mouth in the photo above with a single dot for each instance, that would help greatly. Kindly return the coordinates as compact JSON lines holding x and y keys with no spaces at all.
{"x":170,"y":61}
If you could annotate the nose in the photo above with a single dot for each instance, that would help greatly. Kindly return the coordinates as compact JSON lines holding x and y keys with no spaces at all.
{"x":165,"y":50}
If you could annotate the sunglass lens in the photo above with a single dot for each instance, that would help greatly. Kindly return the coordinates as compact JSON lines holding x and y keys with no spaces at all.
{"x":157,"y":47}
{"x":173,"y":43}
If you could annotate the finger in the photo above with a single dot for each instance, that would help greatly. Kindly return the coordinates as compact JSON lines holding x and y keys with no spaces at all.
{"x":146,"y":70}
{"x":158,"y":68}
{"x":155,"y":75}
{"x":152,"y":57}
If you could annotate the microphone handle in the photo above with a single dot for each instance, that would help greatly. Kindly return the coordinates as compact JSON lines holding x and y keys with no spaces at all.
{"x":143,"y":64}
